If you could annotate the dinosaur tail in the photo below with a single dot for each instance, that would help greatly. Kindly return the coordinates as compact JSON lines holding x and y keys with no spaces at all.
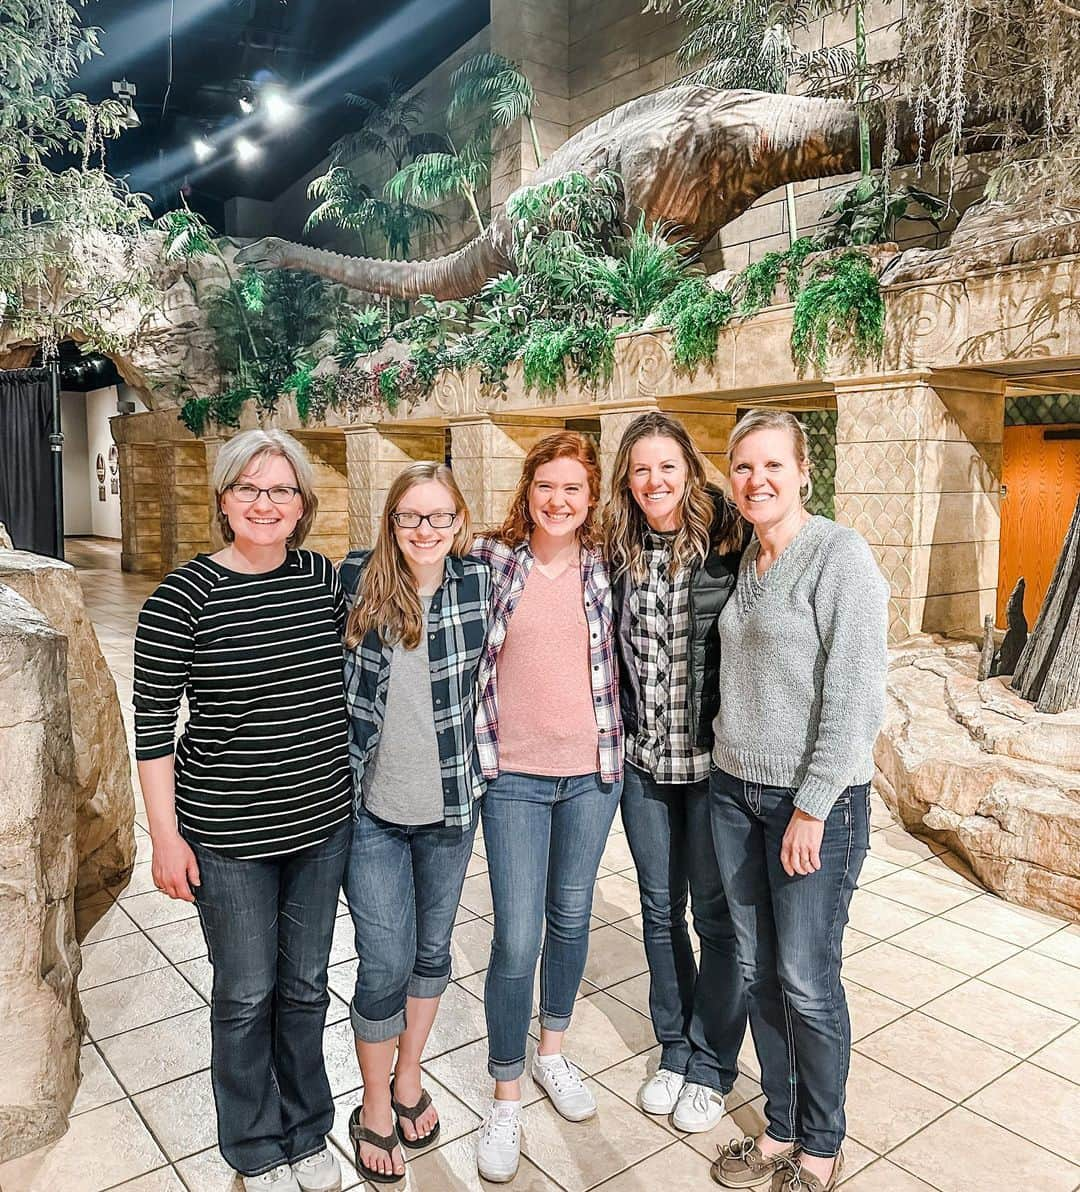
{"x":456,"y":275}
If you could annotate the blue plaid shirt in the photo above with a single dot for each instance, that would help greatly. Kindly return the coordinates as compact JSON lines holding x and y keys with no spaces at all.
{"x":509,"y":571}
{"x":457,"y":627}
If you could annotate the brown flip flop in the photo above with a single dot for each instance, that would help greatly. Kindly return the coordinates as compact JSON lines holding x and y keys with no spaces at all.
{"x":412,"y":1113}
{"x":385,"y":1142}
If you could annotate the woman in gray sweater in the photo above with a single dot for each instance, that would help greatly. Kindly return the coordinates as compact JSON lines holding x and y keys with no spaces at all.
{"x":802,"y":692}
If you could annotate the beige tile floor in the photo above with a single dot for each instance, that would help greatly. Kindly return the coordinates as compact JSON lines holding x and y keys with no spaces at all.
{"x":965,"y":1017}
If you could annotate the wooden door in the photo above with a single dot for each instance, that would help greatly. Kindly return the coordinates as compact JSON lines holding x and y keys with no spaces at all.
{"x":1041,"y":478}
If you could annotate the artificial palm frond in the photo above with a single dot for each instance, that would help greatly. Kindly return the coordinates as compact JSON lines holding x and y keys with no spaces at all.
{"x":495,"y":88}
{"x":432,"y":177}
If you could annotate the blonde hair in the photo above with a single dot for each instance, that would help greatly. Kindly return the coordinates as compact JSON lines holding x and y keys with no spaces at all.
{"x":755,"y":420}
{"x":562,"y":444}
{"x":387,"y":600}
{"x":236,"y":456}
{"x":625,"y":524}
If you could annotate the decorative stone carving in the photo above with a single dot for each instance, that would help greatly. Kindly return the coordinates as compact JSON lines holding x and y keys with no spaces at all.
{"x":41,"y":1021}
{"x":976,"y":767}
{"x":104,"y":804}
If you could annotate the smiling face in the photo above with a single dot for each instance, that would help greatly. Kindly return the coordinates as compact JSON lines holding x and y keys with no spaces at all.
{"x":559,"y":499}
{"x":766,"y":477}
{"x":263,"y":523}
{"x":657,"y":476}
{"x":426,"y":545}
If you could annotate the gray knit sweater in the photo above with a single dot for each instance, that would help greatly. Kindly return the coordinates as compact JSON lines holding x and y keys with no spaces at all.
{"x":802,"y":667}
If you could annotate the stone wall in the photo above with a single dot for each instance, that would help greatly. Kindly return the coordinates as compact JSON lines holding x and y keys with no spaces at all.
{"x":41,"y":1021}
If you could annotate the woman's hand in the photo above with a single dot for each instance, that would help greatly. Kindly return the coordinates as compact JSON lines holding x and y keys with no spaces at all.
{"x":801,"y":847}
{"x":174,"y":868}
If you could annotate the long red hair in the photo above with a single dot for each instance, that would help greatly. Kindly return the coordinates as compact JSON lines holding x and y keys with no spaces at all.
{"x":563,"y":444}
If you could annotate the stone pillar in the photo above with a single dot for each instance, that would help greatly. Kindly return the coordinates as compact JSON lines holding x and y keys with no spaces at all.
{"x":184,"y":508}
{"x":918,"y":474}
{"x":140,"y":508}
{"x":374,"y":456}
{"x":211,"y":447}
{"x":329,"y":535}
{"x":710,"y":433}
{"x":487,"y":456}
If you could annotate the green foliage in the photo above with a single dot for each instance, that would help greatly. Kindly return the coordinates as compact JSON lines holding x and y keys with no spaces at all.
{"x":388,"y":378}
{"x":187,"y":235}
{"x":195,"y":414}
{"x":432,"y":177}
{"x":648,"y":268}
{"x":590,"y":348}
{"x":574,"y":210}
{"x":360,"y":333}
{"x":840,"y":304}
{"x":868,"y":211}
{"x":758,"y":281}
{"x":223,"y":409}
{"x":696,"y":314}
{"x":496,"y":89}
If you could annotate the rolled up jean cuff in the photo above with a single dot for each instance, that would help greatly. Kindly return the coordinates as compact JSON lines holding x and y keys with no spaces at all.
{"x":369,"y":1030}
{"x":554,"y":1022}
{"x":428,"y":986}
{"x":509,"y":1071}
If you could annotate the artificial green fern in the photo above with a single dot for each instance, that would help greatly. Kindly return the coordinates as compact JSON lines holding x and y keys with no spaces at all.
{"x":840,"y":302}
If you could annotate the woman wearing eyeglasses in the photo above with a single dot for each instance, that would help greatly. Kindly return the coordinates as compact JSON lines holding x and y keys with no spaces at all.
{"x":250,"y":811}
{"x":415,"y":633}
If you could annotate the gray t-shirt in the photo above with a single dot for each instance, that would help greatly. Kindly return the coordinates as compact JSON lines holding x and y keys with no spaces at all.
{"x":402,"y":783}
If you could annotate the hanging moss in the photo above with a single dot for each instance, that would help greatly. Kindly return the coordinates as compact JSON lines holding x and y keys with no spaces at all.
{"x":696,"y":314}
{"x":841,"y":303}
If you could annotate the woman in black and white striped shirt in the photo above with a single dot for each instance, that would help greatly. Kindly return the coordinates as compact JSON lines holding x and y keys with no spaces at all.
{"x":250,"y":813}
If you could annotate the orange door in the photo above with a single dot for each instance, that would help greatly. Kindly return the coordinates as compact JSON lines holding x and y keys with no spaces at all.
{"x":1041,"y":476}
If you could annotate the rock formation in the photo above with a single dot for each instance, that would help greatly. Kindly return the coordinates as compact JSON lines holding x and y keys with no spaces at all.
{"x":973,"y":765}
{"x":41,"y":1020}
{"x":104,"y":802}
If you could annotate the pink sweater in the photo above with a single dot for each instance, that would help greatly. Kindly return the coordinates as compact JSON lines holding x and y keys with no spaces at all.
{"x":547,"y":724}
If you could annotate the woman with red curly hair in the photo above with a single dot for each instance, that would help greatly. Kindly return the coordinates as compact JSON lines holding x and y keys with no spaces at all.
{"x":550,"y":743}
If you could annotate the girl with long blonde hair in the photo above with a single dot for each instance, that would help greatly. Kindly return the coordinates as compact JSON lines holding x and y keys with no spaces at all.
{"x":673,"y":547}
{"x":550,"y":743}
{"x":414,"y":638}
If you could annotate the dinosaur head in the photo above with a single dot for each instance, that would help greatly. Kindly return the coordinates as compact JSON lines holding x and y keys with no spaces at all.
{"x":267,"y":253}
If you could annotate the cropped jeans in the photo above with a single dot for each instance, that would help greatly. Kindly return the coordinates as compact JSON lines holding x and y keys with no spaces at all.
{"x":544,"y":839}
{"x":268,"y":928}
{"x":789,"y":932}
{"x":698,"y":1014}
{"x":403,"y":884}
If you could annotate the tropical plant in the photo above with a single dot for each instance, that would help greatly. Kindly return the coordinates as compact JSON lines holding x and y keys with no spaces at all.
{"x":432,"y":177}
{"x":867,"y":213}
{"x":696,"y":313}
{"x":390,"y":133}
{"x":359,"y":333}
{"x":840,"y":305}
{"x":757,"y":283}
{"x":69,"y":232}
{"x":496,"y":89}
{"x":550,"y":345}
{"x":648,"y":268}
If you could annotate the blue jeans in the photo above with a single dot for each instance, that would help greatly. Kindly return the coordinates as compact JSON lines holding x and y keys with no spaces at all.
{"x":544,"y":839}
{"x":404,"y":885}
{"x":699,"y":1016}
{"x":789,"y":932}
{"x":268,"y":927}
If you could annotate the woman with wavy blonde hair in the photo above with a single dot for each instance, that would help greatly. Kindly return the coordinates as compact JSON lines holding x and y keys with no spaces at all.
{"x":550,"y":743}
{"x":673,"y":546}
{"x":414,"y":638}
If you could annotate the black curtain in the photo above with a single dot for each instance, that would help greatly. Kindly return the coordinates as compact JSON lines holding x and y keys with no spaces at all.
{"x":27,"y":501}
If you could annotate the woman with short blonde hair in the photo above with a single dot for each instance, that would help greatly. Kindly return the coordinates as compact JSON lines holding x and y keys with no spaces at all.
{"x":249,"y":811}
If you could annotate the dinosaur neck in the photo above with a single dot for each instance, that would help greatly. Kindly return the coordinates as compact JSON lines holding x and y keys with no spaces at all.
{"x":456,"y":275}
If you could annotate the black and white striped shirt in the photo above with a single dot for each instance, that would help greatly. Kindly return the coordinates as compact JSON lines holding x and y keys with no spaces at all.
{"x":262,"y":765}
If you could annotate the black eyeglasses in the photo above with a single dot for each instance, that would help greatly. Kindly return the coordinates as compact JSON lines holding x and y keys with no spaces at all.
{"x":280,"y":494}
{"x":437,"y":521}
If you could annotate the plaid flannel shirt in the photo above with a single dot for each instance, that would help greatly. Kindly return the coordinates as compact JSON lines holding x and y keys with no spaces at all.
{"x":509,"y":570}
{"x":663,"y":744}
{"x":457,"y":628}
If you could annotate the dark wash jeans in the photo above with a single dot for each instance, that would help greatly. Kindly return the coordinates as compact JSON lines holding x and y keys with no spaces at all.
{"x":268,"y":927}
{"x":544,"y":838}
{"x":404,"y":884}
{"x":699,"y":1015}
{"x":789,"y":932}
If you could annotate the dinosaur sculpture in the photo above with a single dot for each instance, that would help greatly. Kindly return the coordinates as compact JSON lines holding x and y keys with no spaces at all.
{"x":688,"y":155}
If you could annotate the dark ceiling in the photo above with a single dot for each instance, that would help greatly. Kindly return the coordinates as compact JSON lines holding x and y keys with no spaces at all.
{"x":190,"y":82}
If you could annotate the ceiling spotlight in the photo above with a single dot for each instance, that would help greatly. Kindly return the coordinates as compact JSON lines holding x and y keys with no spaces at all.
{"x":247,"y":104}
{"x":202,"y":149}
{"x":278,"y":107}
{"x":125,"y":92}
{"x":246,"y":151}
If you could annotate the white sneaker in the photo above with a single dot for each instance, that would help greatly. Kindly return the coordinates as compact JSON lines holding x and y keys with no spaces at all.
{"x":660,"y":1093}
{"x":559,"y":1079}
{"x":498,"y":1149}
{"x":277,"y":1179}
{"x":699,"y":1108}
{"x":320,"y":1172}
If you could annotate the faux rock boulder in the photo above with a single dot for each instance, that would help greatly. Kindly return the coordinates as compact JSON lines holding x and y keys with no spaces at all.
{"x":104,"y":801}
{"x":41,"y":1020}
{"x":974,"y":766}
